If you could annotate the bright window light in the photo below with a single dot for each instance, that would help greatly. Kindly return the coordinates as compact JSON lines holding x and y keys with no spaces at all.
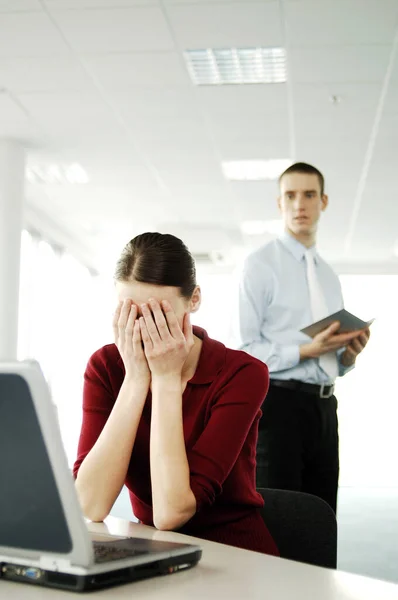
{"x":274,"y":226}
{"x":57,"y":174}
{"x":225,"y":66}
{"x":254,"y":170}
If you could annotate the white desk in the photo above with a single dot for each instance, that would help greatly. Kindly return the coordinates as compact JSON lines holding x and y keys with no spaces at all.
{"x":223,"y":573}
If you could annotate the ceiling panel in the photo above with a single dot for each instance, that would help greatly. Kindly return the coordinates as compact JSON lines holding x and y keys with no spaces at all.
{"x":391,"y":100}
{"x":20,"y":5}
{"x":258,"y":126}
{"x":255,"y":196}
{"x":313,"y":144}
{"x":135,"y":121}
{"x":29,"y":34}
{"x":156,"y":104}
{"x":183,"y":129}
{"x":137,"y":29}
{"x":126,"y":175}
{"x":25,"y":132}
{"x":232,"y":25}
{"x":263,"y":146}
{"x":67,"y":109}
{"x":335,"y":97}
{"x":10,"y":111}
{"x":341,"y":22}
{"x":97,"y":3}
{"x":42,"y":74}
{"x":389,"y":126}
{"x":342,"y":64}
{"x":211,"y":2}
{"x":242,"y":98}
{"x":185,"y":149}
{"x":130,"y":71}
{"x":203,"y":172}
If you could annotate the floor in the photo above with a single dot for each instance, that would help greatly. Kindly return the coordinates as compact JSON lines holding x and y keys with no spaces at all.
{"x":368,"y":530}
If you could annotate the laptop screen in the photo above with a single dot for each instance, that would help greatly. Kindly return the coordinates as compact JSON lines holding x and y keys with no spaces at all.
{"x":31,"y":513}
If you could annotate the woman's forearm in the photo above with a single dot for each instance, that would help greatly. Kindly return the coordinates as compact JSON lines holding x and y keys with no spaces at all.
{"x":172,"y":498}
{"x":103,"y":471}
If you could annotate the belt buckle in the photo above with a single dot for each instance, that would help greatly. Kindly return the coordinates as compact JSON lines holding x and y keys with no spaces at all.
{"x":322,"y":393}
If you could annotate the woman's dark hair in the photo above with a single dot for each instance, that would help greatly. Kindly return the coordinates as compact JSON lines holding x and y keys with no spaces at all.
{"x":159,"y":259}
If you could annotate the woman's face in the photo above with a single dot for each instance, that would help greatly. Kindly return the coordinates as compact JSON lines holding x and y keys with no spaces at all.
{"x":140,"y":293}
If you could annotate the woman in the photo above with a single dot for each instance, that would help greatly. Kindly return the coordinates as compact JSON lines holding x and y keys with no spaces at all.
{"x":169,"y":412}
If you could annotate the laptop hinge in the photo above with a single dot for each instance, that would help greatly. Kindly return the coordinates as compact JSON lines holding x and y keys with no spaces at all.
{"x":49,"y":563}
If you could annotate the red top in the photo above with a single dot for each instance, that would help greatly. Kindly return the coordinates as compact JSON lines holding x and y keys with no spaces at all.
{"x":221,"y":410}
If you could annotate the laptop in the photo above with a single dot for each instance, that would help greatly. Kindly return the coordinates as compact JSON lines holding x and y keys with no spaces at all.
{"x":44,"y":539}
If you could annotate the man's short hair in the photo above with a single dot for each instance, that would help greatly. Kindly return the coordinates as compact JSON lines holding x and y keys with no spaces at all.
{"x":301,"y":167}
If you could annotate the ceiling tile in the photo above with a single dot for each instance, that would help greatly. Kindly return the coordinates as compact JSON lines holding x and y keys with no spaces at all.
{"x":258,"y":126}
{"x":309,"y":97}
{"x":256,"y":200}
{"x":97,"y":3}
{"x":156,"y":104}
{"x":233,"y":25}
{"x":203,"y":172}
{"x":258,"y":148}
{"x":10,"y":111}
{"x":340,"y":64}
{"x":73,"y":113}
{"x":341,"y":22}
{"x":123,"y":175}
{"x":25,"y":132}
{"x":176,"y":149}
{"x":334,"y":124}
{"x":179,"y":129}
{"x":62,"y":106}
{"x":20,"y":5}
{"x":242,"y":98}
{"x":42,"y":74}
{"x":391,"y":100}
{"x":129,"y":71}
{"x":29,"y":34}
{"x":121,"y":30}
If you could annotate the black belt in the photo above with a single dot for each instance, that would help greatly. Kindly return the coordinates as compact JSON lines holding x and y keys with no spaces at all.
{"x":322,"y":391}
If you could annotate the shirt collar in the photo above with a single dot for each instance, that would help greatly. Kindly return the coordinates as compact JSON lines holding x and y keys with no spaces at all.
{"x":297,"y":249}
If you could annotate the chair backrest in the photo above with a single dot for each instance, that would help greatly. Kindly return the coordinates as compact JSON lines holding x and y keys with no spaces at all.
{"x":303,"y":526}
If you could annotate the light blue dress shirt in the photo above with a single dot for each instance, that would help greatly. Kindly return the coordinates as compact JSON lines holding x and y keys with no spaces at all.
{"x":274,"y":305}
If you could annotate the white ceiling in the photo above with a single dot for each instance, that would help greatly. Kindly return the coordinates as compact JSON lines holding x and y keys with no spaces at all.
{"x":103,"y":83}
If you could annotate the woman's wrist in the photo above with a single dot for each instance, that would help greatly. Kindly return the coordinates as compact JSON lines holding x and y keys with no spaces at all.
{"x":136,"y":386}
{"x":170,"y":381}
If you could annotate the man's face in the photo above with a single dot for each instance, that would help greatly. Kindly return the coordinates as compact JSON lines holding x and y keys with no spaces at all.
{"x":301,"y":202}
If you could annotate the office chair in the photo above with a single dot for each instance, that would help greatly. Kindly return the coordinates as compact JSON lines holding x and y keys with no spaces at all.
{"x":303,"y":526}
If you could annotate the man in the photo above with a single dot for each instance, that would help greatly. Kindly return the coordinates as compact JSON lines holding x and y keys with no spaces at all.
{"x":285,"y":286}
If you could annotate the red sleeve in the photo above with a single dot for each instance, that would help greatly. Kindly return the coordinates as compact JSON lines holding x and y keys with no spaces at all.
{"x":98,"y":401}
{"x":232,"y":415}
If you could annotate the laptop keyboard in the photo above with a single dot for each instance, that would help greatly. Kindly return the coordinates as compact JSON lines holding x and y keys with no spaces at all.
{"x":116,"y":550}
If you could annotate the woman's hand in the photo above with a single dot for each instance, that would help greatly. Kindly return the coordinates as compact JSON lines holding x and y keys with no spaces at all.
{"x":127,"y":334}
{"x":166,"y":345}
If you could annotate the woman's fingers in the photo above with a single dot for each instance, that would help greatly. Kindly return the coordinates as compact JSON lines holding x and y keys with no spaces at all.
{"x":115,"y":321}
{"x":150,"y":324}
{"x":128,"y":332}
{"x":160,"y":321}
{"x":148,"y":345}
{"x":137,"y":339}
{"x":172,"y":321}
{"x":124,"y":314}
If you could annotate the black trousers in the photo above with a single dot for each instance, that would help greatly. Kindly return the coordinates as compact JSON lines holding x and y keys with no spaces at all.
{"x":298,"y":444}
